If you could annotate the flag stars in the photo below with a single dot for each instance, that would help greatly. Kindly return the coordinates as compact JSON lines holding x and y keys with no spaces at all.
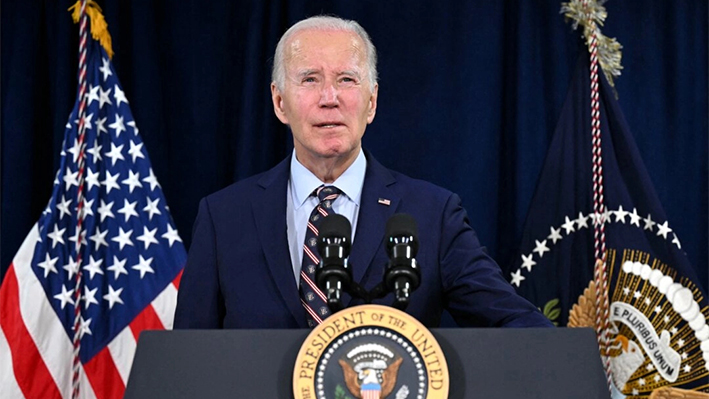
{"x":118,"y":267}
{"x":75,"y":237}
{"x":113,"y":296}
{"x":663,"y":229}
{"x":641,"y":382}
{"x":128,"y":209}
{"x":637,"y":295}
{"x":104,"y":97}
{"x":152,"y":208}
{"x":540,"y":248}
{"x":119,"y":95}
{"x":92,"y":179}
{"x":636,"y":392}
{"x":87,"y":121}
{"x":687,"y":368}
{"x":684,"y":356}
{"x":95,"y":152}
{"x":649,"y":367}
{"x":65,"y":297}
{"x":63,"y":207}
{"x":152,"y":180}
{"x":673,"y":330}
{"x":658,"y":309}
{"x":649,"y":224}
{"x":620,"y":214}
{"x":123,"y":238}
{"x":115,"y":154}
{"x":56,"y":236}
{"x":105,"y":210}
{"x":88,"y":208}
{"x":634,"y":217}
{"x":101,"y":126}
{"x":626,"y":291}
{"x":70,"y":179}
{"x":555,"y":235}
{"x":132,"y":181}
{"x":517,"y":277}
{"x":92,"y":95}
{"x":84,"y":328}
{"x":143,"y":266}
{"x":647,"y":301}
{"x":527,"y":262}
{"x":94,"y":267}
{"x":568,"y":225}
{"x":675,"y":241}
{"x":581,"y":221}
{"x":666,"y":319}
{"x":99,"y":238}
{"x":111,"y":182}
{"x":656,"y":378}
{"x":135,"y":128}
{"x":72,"y":268}
{"x":89,"y":297}
{"x":148,"y":237}
{"x":171,"y":235}
{"x":75,"y":150}
{"x":118,"y":126}
{"x":105,"y":69}
{"x":136,"y":150}
{"x":48,"y":265}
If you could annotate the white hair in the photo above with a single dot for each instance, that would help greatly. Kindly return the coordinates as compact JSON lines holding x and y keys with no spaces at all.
{"x":323,"y":22}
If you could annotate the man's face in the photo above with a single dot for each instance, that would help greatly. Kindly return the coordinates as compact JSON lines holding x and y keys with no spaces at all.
{"x":326,"y":99}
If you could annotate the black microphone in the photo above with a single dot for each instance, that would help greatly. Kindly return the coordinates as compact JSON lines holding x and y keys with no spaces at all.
{"x":334,"y":274}
{"x":402,"y":275}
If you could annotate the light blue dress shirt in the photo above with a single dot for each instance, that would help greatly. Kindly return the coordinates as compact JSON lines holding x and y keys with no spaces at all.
{"x":300,"y":204}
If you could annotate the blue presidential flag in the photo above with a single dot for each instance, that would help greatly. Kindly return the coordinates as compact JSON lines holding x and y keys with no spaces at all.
{"x":131,"y":258}
{"x":658,"y":313}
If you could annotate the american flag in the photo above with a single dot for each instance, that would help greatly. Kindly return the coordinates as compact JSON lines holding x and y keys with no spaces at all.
{"x":131,"y":261}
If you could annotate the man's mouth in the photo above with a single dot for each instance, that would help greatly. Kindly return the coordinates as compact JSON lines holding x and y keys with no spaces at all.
{"x":328,"y":125}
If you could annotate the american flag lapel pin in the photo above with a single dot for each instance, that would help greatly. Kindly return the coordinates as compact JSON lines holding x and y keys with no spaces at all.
{"x":384,"y":201}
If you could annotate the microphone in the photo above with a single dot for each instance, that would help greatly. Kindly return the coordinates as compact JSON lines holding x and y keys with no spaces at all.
{"x":402,"y":275}
{"x":334,"y":274}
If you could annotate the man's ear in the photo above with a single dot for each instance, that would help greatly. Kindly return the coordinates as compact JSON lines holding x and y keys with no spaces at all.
{"x":278,"y":106}
{"x":372,"y":111}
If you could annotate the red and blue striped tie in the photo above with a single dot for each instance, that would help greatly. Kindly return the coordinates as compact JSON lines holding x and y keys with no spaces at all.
{"x":312,"y":298}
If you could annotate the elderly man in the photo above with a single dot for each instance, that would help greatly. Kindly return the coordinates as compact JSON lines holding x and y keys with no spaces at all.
{"x":252,"y":260}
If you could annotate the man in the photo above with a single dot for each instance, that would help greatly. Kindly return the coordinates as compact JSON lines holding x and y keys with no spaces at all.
{"x":252,"y":260}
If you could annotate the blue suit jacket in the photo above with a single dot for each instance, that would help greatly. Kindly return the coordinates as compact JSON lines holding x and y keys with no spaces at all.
{"x":239,"y":272}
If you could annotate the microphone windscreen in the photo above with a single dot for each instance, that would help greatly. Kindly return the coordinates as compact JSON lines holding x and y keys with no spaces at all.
{"x":401,"y":224}
{"x":335,"y":226}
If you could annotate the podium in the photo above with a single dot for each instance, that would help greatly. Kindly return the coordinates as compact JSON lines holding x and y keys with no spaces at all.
{"x":492,"y":363}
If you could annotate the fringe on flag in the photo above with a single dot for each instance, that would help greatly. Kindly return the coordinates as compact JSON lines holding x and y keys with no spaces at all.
{"x":591,"y":14}
{"x":99,"y":27}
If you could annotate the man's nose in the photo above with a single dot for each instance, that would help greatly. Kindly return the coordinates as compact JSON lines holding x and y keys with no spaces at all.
{"x":329,"y":96}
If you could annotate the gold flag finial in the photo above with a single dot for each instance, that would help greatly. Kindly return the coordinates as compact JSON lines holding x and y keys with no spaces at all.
{"x":99,"y":27}
{"x":591,"y":14}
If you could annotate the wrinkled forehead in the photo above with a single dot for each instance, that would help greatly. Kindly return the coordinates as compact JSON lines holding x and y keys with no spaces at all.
{"x":313,"y":45}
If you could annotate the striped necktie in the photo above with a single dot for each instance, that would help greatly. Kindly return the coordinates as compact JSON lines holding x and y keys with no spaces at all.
{"x":312,"y":298}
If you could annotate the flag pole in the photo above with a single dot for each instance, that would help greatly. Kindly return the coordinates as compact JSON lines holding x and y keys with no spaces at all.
{"x":83,"y":39}
{"x":606,"y":51}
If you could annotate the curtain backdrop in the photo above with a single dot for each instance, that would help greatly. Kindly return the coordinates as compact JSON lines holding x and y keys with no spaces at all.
{"x":470,"y":93}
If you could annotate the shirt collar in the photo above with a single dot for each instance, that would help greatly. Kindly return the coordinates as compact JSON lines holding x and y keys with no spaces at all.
{"x":303,"y":182}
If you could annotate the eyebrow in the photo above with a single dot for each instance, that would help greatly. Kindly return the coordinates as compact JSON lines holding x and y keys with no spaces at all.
{"x":307,"y":72}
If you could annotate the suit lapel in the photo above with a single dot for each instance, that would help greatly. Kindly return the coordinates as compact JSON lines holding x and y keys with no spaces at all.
{"x":373,"y":216}
{"x":269,"y":208}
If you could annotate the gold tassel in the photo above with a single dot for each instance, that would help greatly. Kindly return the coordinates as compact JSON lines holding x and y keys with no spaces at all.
{"x":590,"y":16}
{"x":99,"y":27}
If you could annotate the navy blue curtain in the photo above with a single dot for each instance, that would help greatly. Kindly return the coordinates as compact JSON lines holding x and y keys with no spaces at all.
{"x":470,"y":93}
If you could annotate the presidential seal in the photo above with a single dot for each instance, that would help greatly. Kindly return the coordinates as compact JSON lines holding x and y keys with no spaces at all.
{"x":370,"y":352}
